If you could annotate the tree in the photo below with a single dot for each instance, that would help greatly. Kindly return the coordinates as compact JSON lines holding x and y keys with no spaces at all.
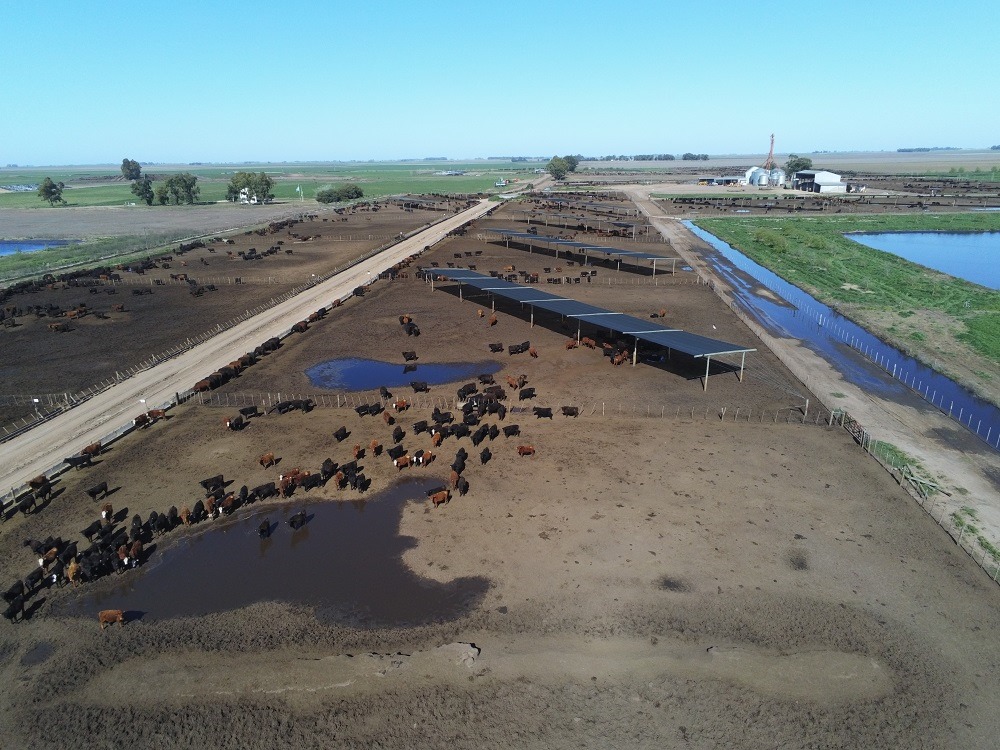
{"x":142,"y":188}
{"x":51,"y":191}
{"x":131,"y":169}
{"x":572,"y":162}
{"x":797,"y":164}
{"x":179,"y":188}
{"x":259,"y":185}
{"x":340,"y":193}
{"x":557,"y":167}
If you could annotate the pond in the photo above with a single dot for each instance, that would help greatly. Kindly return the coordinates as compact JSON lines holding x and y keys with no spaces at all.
{"x":346,"y":562}
{"x":353,"y":374}
{"x":861,"y":357}
{"x":973,"y":256}
{"x":10,"y":247}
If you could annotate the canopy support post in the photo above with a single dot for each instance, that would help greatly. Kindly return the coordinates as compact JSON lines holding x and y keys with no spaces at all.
{"x":635,"y":352}
{"x":708,"y":363}
{"x":460,"y":291}
{"x":532,"y":307}
{"x":743,"y":362}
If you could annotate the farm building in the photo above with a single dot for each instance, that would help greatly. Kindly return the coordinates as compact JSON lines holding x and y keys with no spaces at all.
{"x":818,"y":181}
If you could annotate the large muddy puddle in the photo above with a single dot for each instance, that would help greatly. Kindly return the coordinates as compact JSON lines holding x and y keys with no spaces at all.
{"x":346,"y":562}
{"x":353,"y":374}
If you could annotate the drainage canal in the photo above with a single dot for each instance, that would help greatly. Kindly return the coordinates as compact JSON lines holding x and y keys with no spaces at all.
{"x":353,"y":374}
{"x":346,"y":562}
{"x":840,"y":341}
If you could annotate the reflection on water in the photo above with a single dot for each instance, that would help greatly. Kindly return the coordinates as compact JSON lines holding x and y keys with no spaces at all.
{"x":354,"y":374}
{"x":346,"y":562}
{"x":838,"y":340}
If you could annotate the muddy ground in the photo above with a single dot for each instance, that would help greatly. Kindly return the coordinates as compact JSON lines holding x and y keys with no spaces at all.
{"x":654,"y":581}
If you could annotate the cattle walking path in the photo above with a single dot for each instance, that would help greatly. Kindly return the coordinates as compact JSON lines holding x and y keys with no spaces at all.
{"x":909,"y":425}
{"x":67,"y":434}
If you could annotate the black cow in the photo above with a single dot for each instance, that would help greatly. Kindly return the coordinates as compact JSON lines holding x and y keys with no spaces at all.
{"x":496,"y":348}
{"x":480,"y":435}
{"x":250,"y":411}
{"x":78,"y":462}
{"x":494,"y":432}
{"x":460,"y":430}
{"x":458,"y":466}
{"x":33,"y":580}
{"x":264,"y":491}
{"x":486,"y":379}
{"x":16,"y":590}
{"x":411,"y":329}
{"x":485,"y":455}
{"x":409,"y":368}
{"x":398,"y":434}
{"x":26,"y":504}
{"x":409,"y":356}
{"x":363,"y":410}
{"x":101,"y":489}
{"x":341,"y":434}
{"x":420,"y":426}
{"x":442,"y":417}
{"x":264,"y":530}
{"x":91,"y":530}
{"x":462,"y":486}
{"x":571,"y":411}
{"x":525,"y":393}
{"x":384,"y":392}
{"x":375,"y":409}
{"x":212,"y":482}
{"x":542,"y":412}
{"x":419,"y":386}
{"x":311,"y":481}
{"x":198,"y":513}
{"x":461,"y":454}
{"x":328,"y":469}
{"x":396,"y":451}
{"x":501,"y":412}
{"x":15,"y":610}
{"x":470,"y":420}
{"x":298,"y":520}
{"x":511,"y":430}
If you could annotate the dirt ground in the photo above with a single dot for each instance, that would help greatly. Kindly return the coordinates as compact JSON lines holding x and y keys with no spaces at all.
{"x":38,"y":362}
{"x":675,"y":581}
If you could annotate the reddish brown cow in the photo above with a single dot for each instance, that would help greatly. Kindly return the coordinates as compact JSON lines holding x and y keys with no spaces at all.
{"x":436,"y":439}
{"x":402,"y":462}
{"x":110,"y":617}
{"x":571,"y":344}
{"x":267,"y":460}
{"x":401,"y":405}
{"x":493,"y":320}
{"x":358,"y":452}
{"x":374,"y":447}
{"x":141,"y":421}
{"x":427,"y":458}
{"x":154,"y":414}
{"x":526,"y":450}
{"x":619,"y":358}
{"x":532,"y":352}
{"x":453,"y":479}
{"x":202,"y":385}
{"x":388,"y":418}
{"x":38,"y":482}
{"x":185,"y":515}
{"x":94,"y":449}
{"x":440,"y":497}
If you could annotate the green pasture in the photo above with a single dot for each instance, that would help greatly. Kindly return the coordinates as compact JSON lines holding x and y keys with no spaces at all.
{"x":814,"y":254}
{"x":112,"y":250}
{"x":376,"y":180}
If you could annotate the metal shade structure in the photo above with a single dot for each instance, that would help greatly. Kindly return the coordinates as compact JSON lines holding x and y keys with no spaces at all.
{"x":671,"y":339}
{"x":557,"y":243}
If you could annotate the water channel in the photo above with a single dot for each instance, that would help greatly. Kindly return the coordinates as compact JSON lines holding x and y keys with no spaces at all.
{"x":11,"y":247}
{"x":840,"y":341}
{"x":346,"y":562}
{"x":354,"y":374}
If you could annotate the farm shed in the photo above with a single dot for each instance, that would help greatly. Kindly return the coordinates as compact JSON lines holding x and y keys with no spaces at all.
{"x":818,"y":181}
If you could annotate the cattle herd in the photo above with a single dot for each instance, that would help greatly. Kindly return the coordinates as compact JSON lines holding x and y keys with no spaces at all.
{"x":114,"y":546}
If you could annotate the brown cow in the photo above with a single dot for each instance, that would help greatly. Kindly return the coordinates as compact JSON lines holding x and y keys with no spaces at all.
{"x":338,"y":479}
{"x":38,"y":482}
{"x":402,"y":462}
{"x":135,"y":552}
{"x":526,"y":450}
{"x":118,"y":308}
{"x":267,"y":460}
{"x":202,"y":385}
{"x":141,"y":421}
{"x":388,"y":418}
{"x":107,"y":512}
{"x":426,"y":458}
{"x":185,"y":515}
{"x":532,"y":352}
{"x":94,"y":449}
{"x":358,"y":452}
{"x":571,"y":344}
{"x":401,"y":405}
{"x":110,"y":617}
{"x":436,"y":439}
{"x":453,"y":479}
{"x":480,"y":313}
{"x":493,"y":320}
{"x":440,"y":497}
{"x":154,"y":414}
{"x":374,"y":447}
{"x":73,"y":572}
{"x":589,"y":343}
{"x":619,"y":358}
{"x":210,"y":507}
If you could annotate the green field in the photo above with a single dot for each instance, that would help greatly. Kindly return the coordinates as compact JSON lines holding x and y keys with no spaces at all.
{"x":913,"y":307}
{"x":377,"y":180}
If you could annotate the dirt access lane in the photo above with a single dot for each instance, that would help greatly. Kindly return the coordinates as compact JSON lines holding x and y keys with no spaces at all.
{"x":42,"y":448}
{"x":965,"y":467}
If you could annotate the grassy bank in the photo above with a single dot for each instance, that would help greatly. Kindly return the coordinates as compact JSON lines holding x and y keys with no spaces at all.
{"x":948,"y":323}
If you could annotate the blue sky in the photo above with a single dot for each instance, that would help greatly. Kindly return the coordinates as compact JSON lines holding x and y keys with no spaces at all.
{"x":286,"y":80}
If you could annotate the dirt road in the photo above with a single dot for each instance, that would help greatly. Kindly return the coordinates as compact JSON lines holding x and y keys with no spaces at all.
{"x":961,"y":463}
{"x":42,"y":448}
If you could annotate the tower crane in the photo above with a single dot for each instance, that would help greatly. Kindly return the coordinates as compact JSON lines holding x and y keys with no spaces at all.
{"x":769,"y":164}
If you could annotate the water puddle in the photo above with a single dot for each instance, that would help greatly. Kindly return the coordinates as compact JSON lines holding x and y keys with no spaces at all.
{"x":346,"y":562}
{"x":973,"y":256}
{"x":37,"y":654}
{"x":862,"y":358}
{"x":354,"y":374}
